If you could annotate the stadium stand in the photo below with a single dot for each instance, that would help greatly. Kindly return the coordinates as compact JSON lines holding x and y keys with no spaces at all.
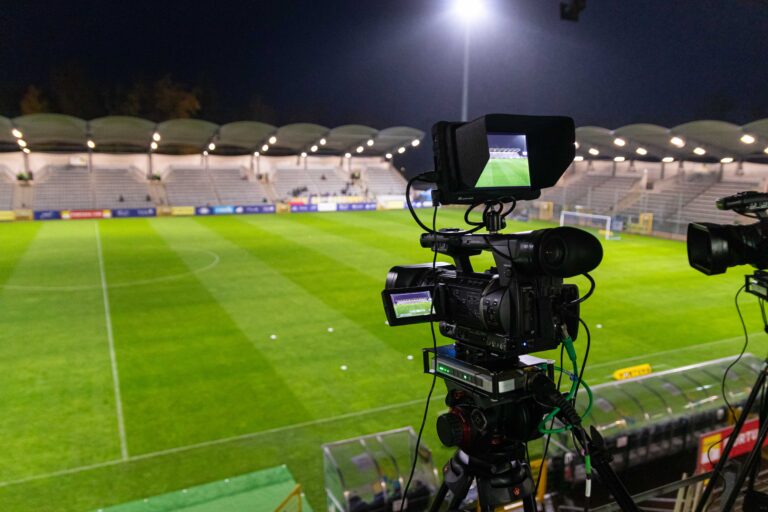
{"x":120,"y":188}
{"x":290,"y":182}
{"x":383,"y":181}
{"x":63,"y":188}
{"x":234,"y":187}
{"x":6,"y":190}
{"x":702,"y":209}
{"x":668,"y":196}
{"x":190,"y":186}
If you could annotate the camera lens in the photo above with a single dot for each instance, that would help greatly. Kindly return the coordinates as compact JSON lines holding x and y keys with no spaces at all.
{"x":553,"y":252}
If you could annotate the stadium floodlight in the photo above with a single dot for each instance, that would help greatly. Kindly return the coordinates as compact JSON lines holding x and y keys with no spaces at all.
{"x":677,"y":141}
{"x":388,"y":156}
{"x":641,"y":151}
{"x":619,"y":142}
{"x":668,"y":159}
{"x":153,"y":146}
{"x":303,"y":154}
{"x":272,"y":139}
{"x":256,"y":154}
{"x":313,"y":148}
{"x":156,"y":137}
{"x":369,"y":143}
{"x":211,"y":146}
{"x":700,"y":151}
{"x":91,"y":144}
{"x":578,"y":158}
{"x":415,"y":143}
{"x":323,"y":141}
{"x":766,"y":150}
{"x":726,"y":160}
{"x":22,"y":143}
{"x":619,"y":159}
{"x":576,"y":144}
{"x":401,"y":150}
{"x":26,"y":150}
{"x":360,"y":149}
{"x":205,"y":153}
{"x":468,"y":11}
{"x":17,"y":133}
{"x":265,"y":147}
{"x":347,"y":155}
{"x":594,"y":151}
{"x":747,"y":139}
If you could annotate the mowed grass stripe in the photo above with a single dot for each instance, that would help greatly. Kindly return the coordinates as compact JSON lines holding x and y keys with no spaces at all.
{"x":14,"y":242}
{"x":188,"y":373}
{"x":58,"y":406}
{"x":264,"y":302}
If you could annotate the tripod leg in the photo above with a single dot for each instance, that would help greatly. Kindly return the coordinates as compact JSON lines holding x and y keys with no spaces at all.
{"x":439,"y":498}
{"x":752,"y":459}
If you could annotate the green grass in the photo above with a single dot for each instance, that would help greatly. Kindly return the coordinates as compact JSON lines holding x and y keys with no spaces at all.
{"x":208,"y":394}
{"x":505,"y":172}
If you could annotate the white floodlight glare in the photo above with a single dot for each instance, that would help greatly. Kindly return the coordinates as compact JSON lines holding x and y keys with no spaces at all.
{"x":17,"y":133}
{"x":91,"y":144}
{"x":256,"y":154}
{"x":766,"y":150}
{"x":641,"y":151}
{"x":153,"y":145}
{"x":576,"y":144}
{"x":401,"y":150}
{"x":323,"y":141}
{"x":369,"y":143}
{"x":594,"y":151}
{"x":22,"y":143}
{"x":619,"y":142}
{"x":677,"y":141}
{"x":156,"y":137}
{"x":272,"y":139}
{"x":700,"y":151}
{"x":303,"y":154}
{"x":388,"y":156}
{"x":747,"y":139}
{"x":469,"y":10}
{"x":205,"y":153}
{"x":313,"y":148}
{"x":265,"y":147}
{"x":618,"y":159}
{"x":578,"y":158}
{"x":347,"y":155}
{"x":415,"y":143}
{"x":211,"y":146}
{"x":726,"y":160}
{"x":359,"y":149}
{"x":26,"y":150}
{"x":668,"y":159}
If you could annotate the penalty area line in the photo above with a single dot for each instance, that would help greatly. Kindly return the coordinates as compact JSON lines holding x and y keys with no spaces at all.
{"x":112,"y":356}
{"x":214,"y":442}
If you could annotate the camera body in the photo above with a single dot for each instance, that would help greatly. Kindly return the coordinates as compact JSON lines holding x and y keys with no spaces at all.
{"x":516,"y":307}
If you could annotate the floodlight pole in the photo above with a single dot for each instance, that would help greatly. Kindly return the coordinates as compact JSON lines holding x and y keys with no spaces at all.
{"x":465,"y":89}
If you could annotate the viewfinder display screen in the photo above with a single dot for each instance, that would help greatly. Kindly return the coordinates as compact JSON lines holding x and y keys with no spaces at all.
{"x":507,"y":163}
{"x":412,"y":304}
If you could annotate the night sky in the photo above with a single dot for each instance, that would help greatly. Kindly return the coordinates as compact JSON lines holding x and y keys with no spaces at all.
{"x":399,"y":62}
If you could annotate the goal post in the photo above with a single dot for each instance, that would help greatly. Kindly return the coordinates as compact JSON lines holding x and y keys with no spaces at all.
{"x":602,"y":223}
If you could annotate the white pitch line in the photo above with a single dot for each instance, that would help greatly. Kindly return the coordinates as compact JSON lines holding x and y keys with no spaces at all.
{"x":205,"y":444}
{"x":112,"y":356}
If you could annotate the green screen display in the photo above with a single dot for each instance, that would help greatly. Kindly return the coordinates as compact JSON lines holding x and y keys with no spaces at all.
{"x":507,"y":163}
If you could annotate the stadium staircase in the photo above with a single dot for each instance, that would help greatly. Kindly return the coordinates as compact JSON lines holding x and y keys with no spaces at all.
{"x":121,"y":188}
{"x":383,"y":181}
{"x":190,"y":186}
{"x":234,"y":187}
{"x":7,"y":185}
{"x":63,"y":188}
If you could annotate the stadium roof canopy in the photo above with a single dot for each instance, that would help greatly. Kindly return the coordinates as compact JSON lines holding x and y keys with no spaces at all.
{"x":124,"y":134}
{"x":709,"y":141}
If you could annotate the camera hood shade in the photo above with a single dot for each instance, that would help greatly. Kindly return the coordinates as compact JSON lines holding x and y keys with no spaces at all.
{"x":568,"y":252}
{"x":708,"y":250}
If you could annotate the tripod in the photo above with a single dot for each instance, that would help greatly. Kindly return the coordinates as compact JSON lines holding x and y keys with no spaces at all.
{"x":501,"y":480}
{"x":752,"y":463}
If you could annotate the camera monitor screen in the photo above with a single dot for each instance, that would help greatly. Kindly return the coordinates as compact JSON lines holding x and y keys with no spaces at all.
{"x":408,"y":305}
{"x":507,"y":162}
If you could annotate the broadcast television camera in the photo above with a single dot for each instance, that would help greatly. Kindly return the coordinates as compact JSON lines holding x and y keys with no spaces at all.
{"x":497,"y":393}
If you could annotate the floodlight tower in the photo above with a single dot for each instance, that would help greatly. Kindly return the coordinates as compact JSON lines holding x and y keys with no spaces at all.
{"x":467,"y":12}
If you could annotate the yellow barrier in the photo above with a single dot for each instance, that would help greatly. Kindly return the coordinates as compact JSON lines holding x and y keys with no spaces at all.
{"x":24,"y":215}
{"x":292,"y":502}
{"x":182,"y":211}
{"x":7,"y":215}
{"x":632,"y":371}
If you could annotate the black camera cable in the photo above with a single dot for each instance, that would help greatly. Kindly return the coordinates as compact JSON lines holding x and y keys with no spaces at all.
{"x":429,"y":177}
{"x":434,"y":374}
{"x":741,"y":354}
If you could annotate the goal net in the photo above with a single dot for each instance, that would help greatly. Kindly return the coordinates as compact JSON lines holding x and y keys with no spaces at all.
{"x":601,"y":223}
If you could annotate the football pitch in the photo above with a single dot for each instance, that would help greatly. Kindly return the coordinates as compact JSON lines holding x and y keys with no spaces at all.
{"x":143,"y":356}
{"x":505,"y":172}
